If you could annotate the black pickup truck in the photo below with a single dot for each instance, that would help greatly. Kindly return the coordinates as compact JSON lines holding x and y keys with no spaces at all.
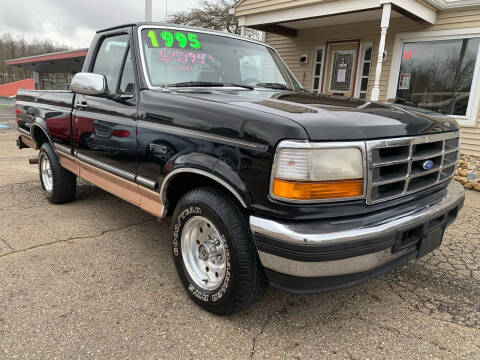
{"x":265,"y":182}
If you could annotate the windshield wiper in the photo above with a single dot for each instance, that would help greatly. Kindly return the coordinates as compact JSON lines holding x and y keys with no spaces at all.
{"x":276,"y":86}
{"x":241,"y":86}
{"x":208,"y":84}
{"x":195,"y":84}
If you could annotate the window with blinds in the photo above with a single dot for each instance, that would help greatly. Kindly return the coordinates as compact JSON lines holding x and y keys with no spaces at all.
{"x":365,"y":70}
{"x":317,"y":70}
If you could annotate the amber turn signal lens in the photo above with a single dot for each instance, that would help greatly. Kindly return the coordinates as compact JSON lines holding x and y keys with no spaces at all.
{"x":318,"y":189}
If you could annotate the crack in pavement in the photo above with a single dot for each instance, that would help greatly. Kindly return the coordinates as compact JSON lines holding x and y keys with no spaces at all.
{"x":19,"y":183}
{"x":75,"y":238}
{"x":401,"y":333}
{"x":416,"y":308}
{"x":291,"y":302}
{"x":262,"y":330}
{"x":6,"y":243}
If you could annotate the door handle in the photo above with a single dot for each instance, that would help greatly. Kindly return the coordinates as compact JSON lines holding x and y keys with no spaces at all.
{"x":83,"y":105}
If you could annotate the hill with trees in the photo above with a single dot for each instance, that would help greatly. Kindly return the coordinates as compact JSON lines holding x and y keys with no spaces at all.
{"x":17,"y":47}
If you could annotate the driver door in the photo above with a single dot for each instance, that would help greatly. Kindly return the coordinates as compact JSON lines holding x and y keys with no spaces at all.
{"x":104,"y":127}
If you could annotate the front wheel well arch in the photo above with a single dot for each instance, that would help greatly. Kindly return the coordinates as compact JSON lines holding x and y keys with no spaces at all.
{"x":179,"y":183}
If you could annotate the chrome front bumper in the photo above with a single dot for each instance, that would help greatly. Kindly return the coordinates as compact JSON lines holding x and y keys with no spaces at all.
{"x":341,"y":247}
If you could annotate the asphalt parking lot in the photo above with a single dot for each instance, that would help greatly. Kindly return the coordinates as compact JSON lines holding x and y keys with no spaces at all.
{"x":94,"y":279}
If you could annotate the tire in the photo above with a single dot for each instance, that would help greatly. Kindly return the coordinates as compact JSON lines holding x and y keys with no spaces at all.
{"x":59,"y":185}
{"x":207,"y":222}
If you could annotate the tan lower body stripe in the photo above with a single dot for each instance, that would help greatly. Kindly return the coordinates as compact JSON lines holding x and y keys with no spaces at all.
{"x":146,"y":199}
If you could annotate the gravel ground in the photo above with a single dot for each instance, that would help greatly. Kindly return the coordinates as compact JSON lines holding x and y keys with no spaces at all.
{"x":93,"y":279}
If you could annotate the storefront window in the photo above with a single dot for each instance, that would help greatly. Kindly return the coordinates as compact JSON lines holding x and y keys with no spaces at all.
{"x":438,"y":75}
{"x":55,"y":81}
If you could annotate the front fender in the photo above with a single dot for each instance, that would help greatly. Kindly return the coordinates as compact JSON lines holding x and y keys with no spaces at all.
{"x":208,"y":166}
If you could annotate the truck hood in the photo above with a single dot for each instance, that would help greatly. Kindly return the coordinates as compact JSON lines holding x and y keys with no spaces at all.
{"x":333,"y":117}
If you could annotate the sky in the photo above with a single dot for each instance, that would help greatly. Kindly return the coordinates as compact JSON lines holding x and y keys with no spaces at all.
{"x":74,"y":22}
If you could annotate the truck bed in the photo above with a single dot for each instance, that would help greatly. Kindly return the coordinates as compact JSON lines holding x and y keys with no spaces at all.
{"x":51,"y":97}
{"x":51,"y":109}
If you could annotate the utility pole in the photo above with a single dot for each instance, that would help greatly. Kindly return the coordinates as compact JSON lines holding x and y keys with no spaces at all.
{"x":148,"y":10}
{"x":166,"y":11}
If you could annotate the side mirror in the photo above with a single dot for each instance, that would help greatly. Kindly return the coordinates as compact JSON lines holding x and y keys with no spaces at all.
{"x":89,"y":84}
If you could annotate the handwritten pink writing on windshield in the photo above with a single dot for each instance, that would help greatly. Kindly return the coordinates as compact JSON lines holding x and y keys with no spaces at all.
{"x":184,"y":57}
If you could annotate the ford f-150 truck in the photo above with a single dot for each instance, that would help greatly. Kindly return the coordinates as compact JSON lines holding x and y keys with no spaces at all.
{"x":265,"y":182}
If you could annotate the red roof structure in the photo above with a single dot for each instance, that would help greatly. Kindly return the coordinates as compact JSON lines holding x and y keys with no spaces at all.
{"x":60,"y":62}
{"x":48,"y":57}
{"x":10,"y":89}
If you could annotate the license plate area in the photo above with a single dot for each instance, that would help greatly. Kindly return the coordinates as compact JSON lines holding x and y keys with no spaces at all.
{"x":431,"y":240}
{"x":408,"y":238}
{"x":426,"y":237}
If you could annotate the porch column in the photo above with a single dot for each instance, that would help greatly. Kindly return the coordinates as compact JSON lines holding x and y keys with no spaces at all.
{"x":243,"y":30}
{"x":387,"y":9}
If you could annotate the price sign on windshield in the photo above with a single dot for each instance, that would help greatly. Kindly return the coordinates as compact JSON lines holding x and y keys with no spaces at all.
{"x":172,"y":39}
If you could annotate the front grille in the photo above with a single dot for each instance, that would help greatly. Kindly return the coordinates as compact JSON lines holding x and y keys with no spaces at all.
{"x":398,"y":167}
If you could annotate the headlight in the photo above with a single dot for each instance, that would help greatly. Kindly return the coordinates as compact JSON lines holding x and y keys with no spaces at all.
{"x":318,"y":171}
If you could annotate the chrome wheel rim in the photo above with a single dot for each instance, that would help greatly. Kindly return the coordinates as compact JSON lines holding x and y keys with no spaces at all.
{"x":203,"y":253}
{"x":46,"y":173}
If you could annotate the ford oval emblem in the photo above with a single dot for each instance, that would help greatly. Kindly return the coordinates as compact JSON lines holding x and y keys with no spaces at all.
{"x":427,"y":165}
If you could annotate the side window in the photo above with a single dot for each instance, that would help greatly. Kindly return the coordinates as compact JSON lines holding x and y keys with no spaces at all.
{"x":109,"y":59}
{"x":249,"y":67}
{"x":260,"y":68}
{"x":127,"y":82}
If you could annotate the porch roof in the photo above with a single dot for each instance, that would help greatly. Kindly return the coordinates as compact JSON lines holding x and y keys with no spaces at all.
{"x":287,"y":16}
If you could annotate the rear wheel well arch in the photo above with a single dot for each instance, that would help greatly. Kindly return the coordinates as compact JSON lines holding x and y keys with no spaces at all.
{"x":39,"y":136}
{"x":181,"y":181}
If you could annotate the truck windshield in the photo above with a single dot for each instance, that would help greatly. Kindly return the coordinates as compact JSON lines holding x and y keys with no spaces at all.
{"x":180,"y":58}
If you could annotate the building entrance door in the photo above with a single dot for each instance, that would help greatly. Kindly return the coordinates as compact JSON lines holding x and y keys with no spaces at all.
{"x":342,"y":60}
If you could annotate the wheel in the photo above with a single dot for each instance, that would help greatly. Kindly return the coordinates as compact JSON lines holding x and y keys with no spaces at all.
{"x":59,"y":185}
{"x":214,"y":253}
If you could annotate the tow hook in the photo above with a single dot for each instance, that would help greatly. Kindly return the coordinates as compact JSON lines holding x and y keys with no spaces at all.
{"x":33,"y":161}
